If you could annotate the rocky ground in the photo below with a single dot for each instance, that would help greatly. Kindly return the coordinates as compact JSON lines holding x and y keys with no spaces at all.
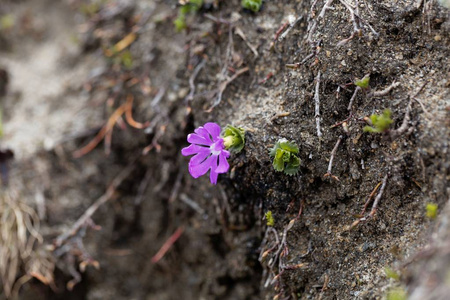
{"x":99,"y":96}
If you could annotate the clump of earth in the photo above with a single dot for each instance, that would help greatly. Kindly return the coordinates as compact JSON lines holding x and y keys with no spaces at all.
{"x":107,"y":203}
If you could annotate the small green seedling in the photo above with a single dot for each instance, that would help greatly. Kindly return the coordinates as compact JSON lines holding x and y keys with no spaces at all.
{"x":380,"y":123}
{"x":363,"y":82}
{"x":253,"y":5}
{"x":390,"y":273}
{"x":432,"y":209}
{"x":270,"y":221}
{"x":6,"y":22}
{"x":396,"y":294}
{"x":233,"y":138}
{"x":190,"y":7}
{"x":285,"y":157}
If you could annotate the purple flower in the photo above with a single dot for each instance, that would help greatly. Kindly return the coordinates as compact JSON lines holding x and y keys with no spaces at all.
{"x":210,"y":153}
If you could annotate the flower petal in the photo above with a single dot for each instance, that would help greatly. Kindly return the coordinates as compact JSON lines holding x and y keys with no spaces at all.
{"x":196,"y":139}
{"x":213,"y":129}
{"x":223,"y":164}
{"x":198,"y":170}
{"x":213,"y":177}
{"x":226,"y":153}
{"x":200,"y":157}
{"x":202,"y":132}
{"x":192,"y":149}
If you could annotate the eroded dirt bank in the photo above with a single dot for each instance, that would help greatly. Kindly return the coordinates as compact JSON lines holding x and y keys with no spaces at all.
{"x":287,"y":71}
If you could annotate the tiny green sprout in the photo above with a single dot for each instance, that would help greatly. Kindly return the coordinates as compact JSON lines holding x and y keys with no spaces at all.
{"x":390,"y":273}
{"x":270,"y":221}
{"x":180,"y":22}
{"x":233,"y":138}
{"x":6,"y":22}
{"x":363,"y":82}
{"x":380,"y":123}
{"x":431,"y":210}
{"x":285,"y":157}
{"x":253,"y":5}
{"x":126,"y":59}
{"x":396,"y":294}
{"x":190,"y":7}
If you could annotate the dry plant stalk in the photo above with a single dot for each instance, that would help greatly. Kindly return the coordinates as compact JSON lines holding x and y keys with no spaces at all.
{"x":18,"y":235}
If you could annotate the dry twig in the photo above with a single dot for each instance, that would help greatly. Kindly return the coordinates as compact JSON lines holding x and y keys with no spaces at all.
{"x":330,"y":165}
{"x":101,"y":134}
{"x":374,"y":205}
{"x":167,"y":245}
{"x":240,"y":33}
{"x":223,"y":85}
{"x":385,"y":91}
{"x":194,"y":75}
{"x":317,"y":105}
{"x":87,"y":215}
{"x":292,"y":25}
{"x":352,"y":99}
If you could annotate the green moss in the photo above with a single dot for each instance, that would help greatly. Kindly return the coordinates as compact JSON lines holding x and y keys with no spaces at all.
{"x":6,"y":22}
{"x":270,"y":221}
{"x":396,"y":294}
{"x":380,"y":123}
{"x":253,"y":5}
{"x":191,"y":7}
{"x":432,"y":210}
{"x":285,"y":157}
{"x":390,"y":273}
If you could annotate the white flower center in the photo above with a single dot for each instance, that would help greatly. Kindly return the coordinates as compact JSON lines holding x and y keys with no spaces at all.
{"x":215,"y":148}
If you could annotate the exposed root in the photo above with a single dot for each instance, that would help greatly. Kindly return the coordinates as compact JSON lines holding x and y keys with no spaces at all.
{"x":192,"y":78}
{"x":330,"y":165}
{"x":167,"y":245}
{"x":317,"y":105}
{"x":101,"y":134}
{"x":61,"y":239}
{"x":385,"y":91}
{"x":352,"y":99}
{"x":375,"y":203}
{"x":276,"y":265}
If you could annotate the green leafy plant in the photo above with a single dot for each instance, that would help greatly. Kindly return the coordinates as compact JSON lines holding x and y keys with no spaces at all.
{"x":190,"y":7}
{"x":432,"y":209}
{"x":380,"y":123}
{"x":253,"y":5}
{"x":233,"y":138}
{"x":285,"y":157}
{"x":363,"y":82}
{"x":270,"y":221}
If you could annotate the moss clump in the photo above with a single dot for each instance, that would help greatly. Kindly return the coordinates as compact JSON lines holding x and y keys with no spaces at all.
{"x":380,"y":123}
{"x":253,"y":5}
{"x":270,"y":221}
{"x":285,"y":157}
{"x":190,"y":7}
{"x":432,"y":209}
{"x":390,"y":273}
